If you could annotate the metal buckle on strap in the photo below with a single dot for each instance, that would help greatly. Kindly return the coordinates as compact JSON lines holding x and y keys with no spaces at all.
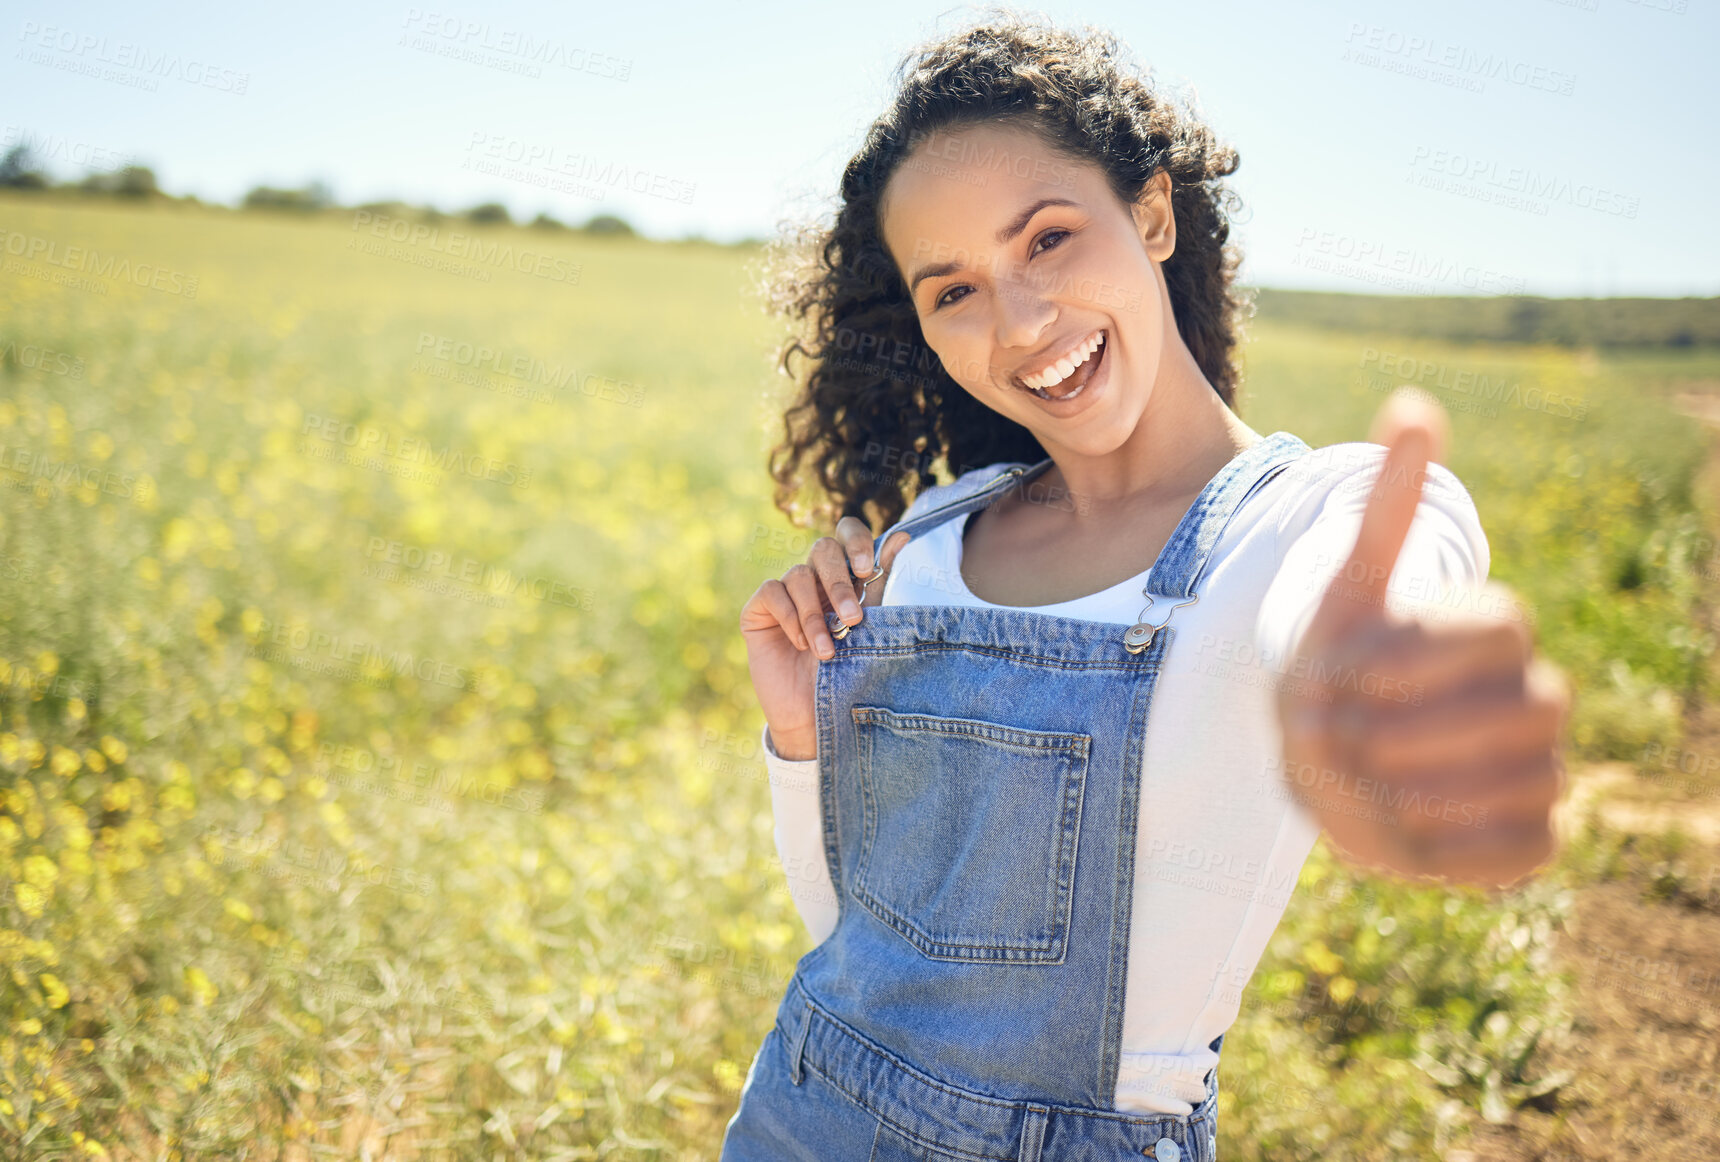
{"x":1139,"y":636}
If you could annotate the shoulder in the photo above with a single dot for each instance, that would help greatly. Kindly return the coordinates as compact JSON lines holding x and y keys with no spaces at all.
{"x":1342,"y":475}
{"x":1333,"y":484}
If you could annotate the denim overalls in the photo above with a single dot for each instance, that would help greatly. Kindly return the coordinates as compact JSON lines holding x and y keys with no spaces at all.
{"x":980,"y":784}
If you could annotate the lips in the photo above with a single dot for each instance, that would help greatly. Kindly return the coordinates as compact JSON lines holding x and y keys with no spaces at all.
{"x":1077,"y":377}
{"x":1048,"y":375}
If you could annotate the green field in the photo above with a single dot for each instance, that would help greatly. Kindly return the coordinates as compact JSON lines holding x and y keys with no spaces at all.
{"x":378,"y":760}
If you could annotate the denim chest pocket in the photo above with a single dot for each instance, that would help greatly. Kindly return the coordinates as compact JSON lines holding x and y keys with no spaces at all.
{"x":970,"y":832}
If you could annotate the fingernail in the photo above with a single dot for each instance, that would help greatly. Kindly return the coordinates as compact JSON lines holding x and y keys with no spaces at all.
{"x":850,"y":610}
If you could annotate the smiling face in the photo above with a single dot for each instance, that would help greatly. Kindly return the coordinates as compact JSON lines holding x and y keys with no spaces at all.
{"x":1027,"y":272}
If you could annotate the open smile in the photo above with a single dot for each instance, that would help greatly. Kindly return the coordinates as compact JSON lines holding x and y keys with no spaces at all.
{"x":1066,"y":379}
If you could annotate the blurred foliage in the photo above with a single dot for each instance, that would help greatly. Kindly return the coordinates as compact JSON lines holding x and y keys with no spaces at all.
{"x":264,"y":887}
{"x":1614,"y":322}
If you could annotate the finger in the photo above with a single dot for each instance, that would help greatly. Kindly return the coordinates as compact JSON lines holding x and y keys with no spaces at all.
{"x":1411,"y":406}
{"x":829,"y":560}
{"x":1495,"y":857}
{"x":1497,"y":790}
{"x":856,"y":538}
{"x":805,"y":589}
{"x":1417,"y":662}
{"x":1388,"y":515}
{"x":1459,"y":733}
{"x":773,"y":595}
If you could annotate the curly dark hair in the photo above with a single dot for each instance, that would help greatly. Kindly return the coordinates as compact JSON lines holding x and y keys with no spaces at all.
{"x":878,"y":411}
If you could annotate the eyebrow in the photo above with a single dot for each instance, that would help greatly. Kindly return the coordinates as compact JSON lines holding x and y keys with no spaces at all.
{"x":1004,"y":236}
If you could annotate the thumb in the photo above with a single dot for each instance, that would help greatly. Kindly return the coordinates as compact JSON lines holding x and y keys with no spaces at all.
{"x":1414,"y":429}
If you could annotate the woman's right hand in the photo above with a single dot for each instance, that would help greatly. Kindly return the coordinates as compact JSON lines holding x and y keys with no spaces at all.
{"x":783,"y":626}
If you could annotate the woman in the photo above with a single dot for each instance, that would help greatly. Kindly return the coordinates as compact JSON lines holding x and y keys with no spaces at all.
{"x":1043,"y":803}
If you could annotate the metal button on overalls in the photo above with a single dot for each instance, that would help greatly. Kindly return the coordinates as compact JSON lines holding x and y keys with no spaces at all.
{"x":979,"y":781}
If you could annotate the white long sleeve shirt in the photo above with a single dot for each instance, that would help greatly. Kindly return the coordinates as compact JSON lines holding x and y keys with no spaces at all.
{"x":1221,"y":838}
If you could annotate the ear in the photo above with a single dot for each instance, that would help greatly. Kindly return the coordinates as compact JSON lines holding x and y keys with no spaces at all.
{"x":1154,"y":221}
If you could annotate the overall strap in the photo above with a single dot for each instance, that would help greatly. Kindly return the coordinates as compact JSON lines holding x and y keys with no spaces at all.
{"x":978,"y":497}
{"x":1183,"y":560}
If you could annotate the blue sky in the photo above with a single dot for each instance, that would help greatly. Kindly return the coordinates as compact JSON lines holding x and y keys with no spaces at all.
{"x":1558,"y":147}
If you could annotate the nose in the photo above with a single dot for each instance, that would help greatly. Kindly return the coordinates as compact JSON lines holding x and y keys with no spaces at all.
{"x":1023,"y":315}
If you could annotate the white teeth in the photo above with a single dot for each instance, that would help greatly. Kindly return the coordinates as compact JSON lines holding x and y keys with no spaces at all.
{"x":1061,"y":370}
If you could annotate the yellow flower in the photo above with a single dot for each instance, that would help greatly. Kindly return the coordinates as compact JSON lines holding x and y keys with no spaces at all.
{"x":39,"y":871}
{"x":31,"y":900}
{"x":113,"y":748}
{"x":56,"y":991}
{"x":203,"y":990}
{"x":30,"y":1026}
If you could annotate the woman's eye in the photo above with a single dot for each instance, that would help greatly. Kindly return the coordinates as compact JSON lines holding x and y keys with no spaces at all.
{"x":1059,"y":232}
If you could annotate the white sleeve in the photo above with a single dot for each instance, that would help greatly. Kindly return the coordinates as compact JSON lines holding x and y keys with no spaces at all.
{"x":1445,"y":556}
{"x":799,"y":835}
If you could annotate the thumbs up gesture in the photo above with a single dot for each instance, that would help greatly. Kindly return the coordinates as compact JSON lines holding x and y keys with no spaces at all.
{"x":1458,"y":784}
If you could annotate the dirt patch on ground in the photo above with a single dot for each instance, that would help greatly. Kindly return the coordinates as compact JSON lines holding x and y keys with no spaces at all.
{"x":1644,"y":951}
{"x":1647,"y":1039}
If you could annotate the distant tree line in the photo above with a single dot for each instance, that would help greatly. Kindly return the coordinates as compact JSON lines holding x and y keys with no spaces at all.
{"x":20,"y":169}
{"x":1624,"y":322}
